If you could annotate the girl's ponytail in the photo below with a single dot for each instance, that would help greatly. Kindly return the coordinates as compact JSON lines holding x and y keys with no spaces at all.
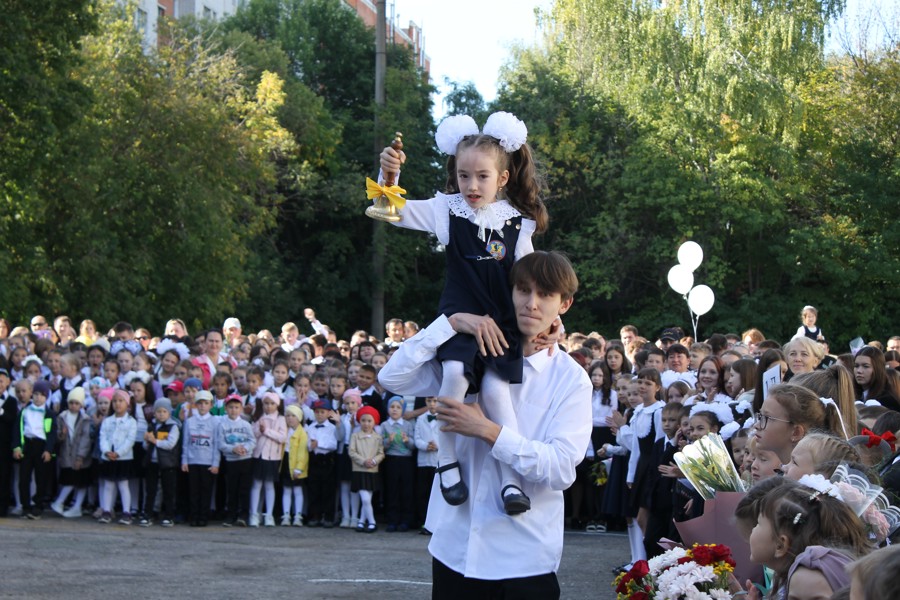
{"x":525,"y":187}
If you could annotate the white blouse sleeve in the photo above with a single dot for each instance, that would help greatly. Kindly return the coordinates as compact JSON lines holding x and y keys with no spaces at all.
{"x":525,"y":246}
{"x":425,"y":215}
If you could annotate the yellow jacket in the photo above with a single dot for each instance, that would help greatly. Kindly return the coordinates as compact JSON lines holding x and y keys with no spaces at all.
{"x":299,"y":454}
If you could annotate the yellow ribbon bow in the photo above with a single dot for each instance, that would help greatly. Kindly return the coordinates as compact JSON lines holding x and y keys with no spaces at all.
{"x":392,"y":193}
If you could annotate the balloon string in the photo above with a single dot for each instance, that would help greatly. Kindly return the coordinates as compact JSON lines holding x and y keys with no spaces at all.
{"x":695,"y":318}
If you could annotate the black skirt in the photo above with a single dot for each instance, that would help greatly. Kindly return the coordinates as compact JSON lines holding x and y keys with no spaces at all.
{"x":80,"y":478}
{"x":285,"y":474}
{"x":361,"y":480}
{"x":116,"y":470}
{"x":265,"y":470}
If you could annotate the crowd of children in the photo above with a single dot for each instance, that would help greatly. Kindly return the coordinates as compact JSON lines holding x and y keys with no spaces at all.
{"x":131,"y":429}
{"x":145,"y":434}
{"x":829,"y":424}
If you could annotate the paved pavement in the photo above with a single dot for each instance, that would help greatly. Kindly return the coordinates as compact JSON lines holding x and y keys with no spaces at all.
{"x":56,"y":558}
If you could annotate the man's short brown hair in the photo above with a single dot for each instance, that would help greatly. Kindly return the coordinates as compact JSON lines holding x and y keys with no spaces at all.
{"x":551,"y":272}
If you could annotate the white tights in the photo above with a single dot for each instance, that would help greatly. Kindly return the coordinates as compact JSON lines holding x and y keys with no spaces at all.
{"x":254,"y":496}
{"x":108,"y":496}
{"x":64,"y":492}
{"x":349,"y":501}
{"x":366,"y":512}
{"x":295,"y":494}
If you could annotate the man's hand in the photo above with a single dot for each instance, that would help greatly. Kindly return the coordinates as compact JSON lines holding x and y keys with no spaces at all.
{"x":550,"y":339}
{"x":310,"y":314}
{"x":485,"y":330}
{"x":466,"y":419}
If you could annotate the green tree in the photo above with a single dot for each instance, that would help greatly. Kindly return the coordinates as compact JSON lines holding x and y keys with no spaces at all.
{"x":321,"y":252}
{"x":687,"y":120}
{"x":149,"y":201}
{"x":463,"y":98}
{"x":39,"y":100}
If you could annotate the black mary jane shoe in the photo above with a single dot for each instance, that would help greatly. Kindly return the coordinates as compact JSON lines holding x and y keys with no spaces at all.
{"x":455,"y":494}
{"x":515,"y":504}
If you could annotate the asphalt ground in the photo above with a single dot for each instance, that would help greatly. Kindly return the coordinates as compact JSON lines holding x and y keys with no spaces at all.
{"x":61,"y":558}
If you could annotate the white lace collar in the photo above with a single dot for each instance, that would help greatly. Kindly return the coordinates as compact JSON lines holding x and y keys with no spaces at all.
{"x":492,"y":216}
{"x":460,"y":208}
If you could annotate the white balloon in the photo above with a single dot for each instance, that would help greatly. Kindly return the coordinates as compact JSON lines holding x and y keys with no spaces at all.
{"x":681,"y":279}
{"x":690,"y":254}
{"x":701,"y":299}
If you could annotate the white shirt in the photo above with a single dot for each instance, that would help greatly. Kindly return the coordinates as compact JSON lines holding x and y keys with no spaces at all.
{"x":325,"y":435}
{"x":426,"y":431}
{"x":601,"y":411}
{"x":553,"y":409}
{"x":33,"y":422}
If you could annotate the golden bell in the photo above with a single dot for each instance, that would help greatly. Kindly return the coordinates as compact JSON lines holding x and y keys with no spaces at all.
{"x":383,"y":210}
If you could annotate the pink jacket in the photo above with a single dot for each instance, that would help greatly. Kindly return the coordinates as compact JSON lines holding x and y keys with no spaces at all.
{"x":270,"y":444}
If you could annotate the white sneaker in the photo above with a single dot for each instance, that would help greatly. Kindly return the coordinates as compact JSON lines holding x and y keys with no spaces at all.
{"x":73,"y":513}
{"x":345,"y":522}
{"x":58,"y":508}
{"x":270,"y":521}
{"x":16,"y":511}
{"x":354,"y":522}
{"x":254,"y":520}
{"x":285,"y":520}
{"x":298,"y":521}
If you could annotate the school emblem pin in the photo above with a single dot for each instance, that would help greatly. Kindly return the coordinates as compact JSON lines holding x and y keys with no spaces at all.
{"x":497,"y":249}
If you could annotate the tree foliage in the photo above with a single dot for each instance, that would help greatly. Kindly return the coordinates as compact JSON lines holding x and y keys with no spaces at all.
{"x":718,"y":121}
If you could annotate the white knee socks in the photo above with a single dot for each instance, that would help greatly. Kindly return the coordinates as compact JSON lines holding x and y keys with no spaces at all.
{"x":498,"y":406}
{"x":453,"y":385}
{"x":636,"y":542}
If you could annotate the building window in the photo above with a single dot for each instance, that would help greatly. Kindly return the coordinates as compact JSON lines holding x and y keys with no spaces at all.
{"x":209,"y":13}
{"x":140,"y":20}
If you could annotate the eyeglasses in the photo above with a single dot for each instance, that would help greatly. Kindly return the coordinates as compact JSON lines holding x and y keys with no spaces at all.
{"x":38,"y":323}
{"x":763,"y":420}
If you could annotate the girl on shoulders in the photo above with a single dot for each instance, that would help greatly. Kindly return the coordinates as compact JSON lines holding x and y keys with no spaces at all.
{"x":492,"y":207}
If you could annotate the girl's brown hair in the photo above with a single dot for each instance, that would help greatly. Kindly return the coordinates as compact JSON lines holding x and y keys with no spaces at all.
{"x":807,"y":518}
{"x":877,"y":572}
{"x":525,"y":184}
{"x":606,"y":387}
{"x":652,"y":375}
{"x":878,"y":387}
{"x":804,"y":408}
{"x":836,"y":383}
{"x":746,"y":368}
{"x":720,"y":369}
